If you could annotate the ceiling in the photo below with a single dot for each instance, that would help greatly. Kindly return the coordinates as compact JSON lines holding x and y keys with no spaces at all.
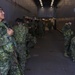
{"x":33,"y":5}
{"x":46,"y":3}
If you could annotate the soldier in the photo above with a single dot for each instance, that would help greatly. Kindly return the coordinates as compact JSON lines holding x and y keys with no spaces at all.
{"x":68,"y":34}
{"x":40,"y":28}
{"x":49,"y":25}
{"x":6,"y":48}
{"x":72,"y":48}
{"x":20,"y":37}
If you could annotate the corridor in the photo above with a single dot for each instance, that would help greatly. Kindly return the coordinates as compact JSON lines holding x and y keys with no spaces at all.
{"x":47,"y":57}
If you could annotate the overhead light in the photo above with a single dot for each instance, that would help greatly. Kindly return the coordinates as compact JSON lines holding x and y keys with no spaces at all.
{"x":41,"y":3}
{"x":43,"y":19}
{"x":51,"y":7}
{"x":52,"y":3}
{"x":42,"y":7}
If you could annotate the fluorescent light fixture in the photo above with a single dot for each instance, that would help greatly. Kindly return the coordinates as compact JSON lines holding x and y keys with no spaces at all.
{"x":42,"y":6}
{"x":52,"y":3}
{"x":43,"y":19}
{"x":41,"y":3}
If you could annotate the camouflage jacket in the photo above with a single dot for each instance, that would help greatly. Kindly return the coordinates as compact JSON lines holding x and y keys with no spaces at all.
{"x":6,"y":46}
{"x":20,"y":32}
{"x":68,"y":34}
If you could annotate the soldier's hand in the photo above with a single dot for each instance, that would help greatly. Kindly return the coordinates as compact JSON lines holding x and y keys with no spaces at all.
{"x":10,"y":31}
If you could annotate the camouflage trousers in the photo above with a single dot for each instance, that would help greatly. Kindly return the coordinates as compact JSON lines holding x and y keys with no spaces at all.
{"x":9,"y":67}
{"x":41,"y":33}
{"x":21,"y":50}
{"x":15,"y":68}
{"x":4,"y":62}
{"x":73,"y":54}
{"x":4,"y":67}
{"x":67,"y":47}
{"x":72,"y":48}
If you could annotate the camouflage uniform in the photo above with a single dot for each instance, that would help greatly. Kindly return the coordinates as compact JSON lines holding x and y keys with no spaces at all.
{"x":41,"y":29}
{"x":49,"y":25}
{"x":31,"y":26}
{"x":68,"y":34}
{"x":30,"y":37}
{"x":31,"y":41}
{"x":20,"y":32}
{"x":6,"y":51}
{"x":72,"y":48}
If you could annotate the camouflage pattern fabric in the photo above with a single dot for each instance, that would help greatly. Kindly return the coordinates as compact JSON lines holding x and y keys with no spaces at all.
{"x":31,"y":41}
{"x":41,"y":29}
{"x":32,"y":28}
{"x":49,"y":25}
{"x":72,"y":48}
{"x":15,"y":68}
{"x":68,"y":34}
{"x":21,"y":56}
{"x":6,"y":50}
{"x":20,"y":32}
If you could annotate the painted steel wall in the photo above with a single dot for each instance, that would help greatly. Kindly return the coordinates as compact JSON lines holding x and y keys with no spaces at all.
{"x":66,"y":9}
{"x":46,"y":12}
{"x":12,"y":11}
